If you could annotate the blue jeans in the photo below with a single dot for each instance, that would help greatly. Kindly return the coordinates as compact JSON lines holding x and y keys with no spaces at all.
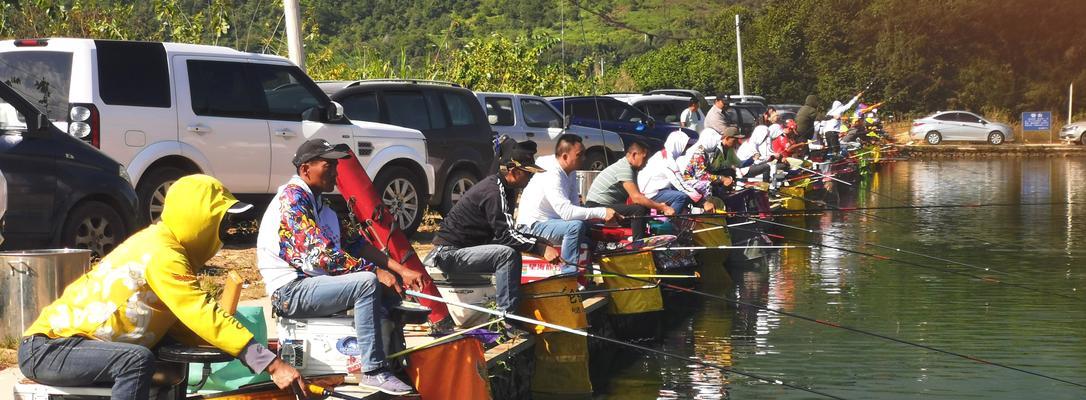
{"x":503,"y":261}
{"x":570,"y":233}
{"x":321,"y":296}
{"x":78,"y":361}
{"x":673,"y":198}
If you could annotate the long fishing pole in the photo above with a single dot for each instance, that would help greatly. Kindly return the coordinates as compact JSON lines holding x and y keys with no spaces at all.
{"x":566,"y":329}
{"x":839,"y":326}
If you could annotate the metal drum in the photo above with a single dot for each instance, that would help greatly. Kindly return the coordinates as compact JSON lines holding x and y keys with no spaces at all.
{"x":31,"y":280}
{"x":584,"y":181}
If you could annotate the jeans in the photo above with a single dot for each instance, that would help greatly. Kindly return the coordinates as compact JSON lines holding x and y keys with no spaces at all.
{"x":321,"y":296}
{"x":673,"y":198}
{"x":78,"y":361}
{"x":637,"y":225}
{"x":501,"y":260}
{"x":571,"y":233}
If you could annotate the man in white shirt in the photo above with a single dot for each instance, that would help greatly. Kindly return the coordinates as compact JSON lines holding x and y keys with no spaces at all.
{"x":550,"y":206}
{"x":691,"y":117}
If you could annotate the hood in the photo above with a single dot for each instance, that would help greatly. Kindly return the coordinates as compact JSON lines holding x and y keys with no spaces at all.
{"x":709,"y":140}
{"x":192,"y":211}
{"x":812,"y":101}
{"x":676,"y":143}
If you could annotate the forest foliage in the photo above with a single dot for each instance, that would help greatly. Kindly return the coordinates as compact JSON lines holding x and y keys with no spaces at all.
{"x":997,"y":56}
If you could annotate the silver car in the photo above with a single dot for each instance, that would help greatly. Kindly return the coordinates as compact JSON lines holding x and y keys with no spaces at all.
{"x":1074,"y":132}
{"x":960,"y":125}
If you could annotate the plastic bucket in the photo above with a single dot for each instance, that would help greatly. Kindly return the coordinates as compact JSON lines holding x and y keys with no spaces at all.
{"x":538,"y":302}
{"x":631,"y":301}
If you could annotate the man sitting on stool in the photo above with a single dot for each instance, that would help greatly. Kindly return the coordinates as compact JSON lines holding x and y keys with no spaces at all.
{"x":550,"y":206}
{"x":307,"y":273}
{"x":618,"y":182}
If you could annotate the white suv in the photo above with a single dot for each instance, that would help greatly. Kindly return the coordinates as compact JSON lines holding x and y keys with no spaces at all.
{"x":168,"y":109}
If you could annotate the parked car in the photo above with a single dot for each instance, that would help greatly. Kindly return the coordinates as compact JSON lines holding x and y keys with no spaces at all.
{"x":792,"y":108}
{"x":1075,"y":131}
{"x":662,"y":107}
{"x":703,"y":104}
{"x":531,"y":118}
{"x":165,"y":110}
{"x":960,"y":125}
{"x":64,"y":192}
{"x":459,"y":139}
{"x":608,"y":113}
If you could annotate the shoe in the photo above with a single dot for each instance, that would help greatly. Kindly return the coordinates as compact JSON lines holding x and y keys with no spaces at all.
{"x":510,"y":331}
{"x":385,"y":382}
{"x":442,"y":328}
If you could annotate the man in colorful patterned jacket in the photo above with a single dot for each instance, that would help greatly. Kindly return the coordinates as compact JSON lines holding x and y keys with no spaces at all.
{"x":308,"y":273}
{"x":102,"y":329}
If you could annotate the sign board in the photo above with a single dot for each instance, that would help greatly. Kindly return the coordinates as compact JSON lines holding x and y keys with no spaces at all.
{"x":1037,"y":121}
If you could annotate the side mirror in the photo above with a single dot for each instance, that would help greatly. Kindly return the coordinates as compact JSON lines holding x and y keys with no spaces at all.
{"x":38,"y":126}
{"x":983,"y":122}
{"x":566,"y":122}
{"x":335,"y":112}
{"x":651,"y":123}
{"x":492,"y":119}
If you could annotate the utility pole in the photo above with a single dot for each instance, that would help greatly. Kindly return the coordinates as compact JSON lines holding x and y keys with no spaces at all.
{"x":294,"y":33}
{"x":739,"y":54}
{"x":1070,"y":100}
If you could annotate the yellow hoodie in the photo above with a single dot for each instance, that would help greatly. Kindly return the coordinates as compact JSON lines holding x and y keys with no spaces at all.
{"x":138,"y":292}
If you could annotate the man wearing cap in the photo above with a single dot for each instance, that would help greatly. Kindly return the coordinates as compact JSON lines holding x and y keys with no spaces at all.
{"x":309,"y":273}
{"x":716,"y":117}
{"x":102,"y":329}
{"x":477,"y":235}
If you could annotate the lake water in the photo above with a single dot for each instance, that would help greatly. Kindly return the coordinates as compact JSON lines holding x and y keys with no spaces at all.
{"x":1034,"y":239}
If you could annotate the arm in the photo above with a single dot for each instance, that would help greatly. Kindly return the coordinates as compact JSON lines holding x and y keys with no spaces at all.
{"x":555,"y":194}
{"x":411,"y":279}
{"x":304,"y":245}
{"x":639,"y":198}
{"x":500,"y":217}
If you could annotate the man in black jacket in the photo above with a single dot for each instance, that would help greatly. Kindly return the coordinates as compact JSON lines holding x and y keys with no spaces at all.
{"x":477,"y":235}
{"x":806,"y":118}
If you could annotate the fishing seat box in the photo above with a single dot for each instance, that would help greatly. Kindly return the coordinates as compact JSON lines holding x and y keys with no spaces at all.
{"x":477,"y":289}
{"x":327,"y":345}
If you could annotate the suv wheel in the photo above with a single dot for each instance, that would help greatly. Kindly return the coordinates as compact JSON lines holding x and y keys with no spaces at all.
{"x":455,"y":187}
{"x":94,"y":226}
{"x":152,"y":191}
{"x":595,"y":161}
{"x":995,"y":137}
{"x":933,"y":138}
{"x":402,"y":192}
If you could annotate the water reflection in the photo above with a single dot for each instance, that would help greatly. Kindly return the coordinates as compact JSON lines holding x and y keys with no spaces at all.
{"x":1031,"y":237}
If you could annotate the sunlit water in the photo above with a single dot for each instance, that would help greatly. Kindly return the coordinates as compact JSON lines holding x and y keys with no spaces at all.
{"x":1041,"y":247}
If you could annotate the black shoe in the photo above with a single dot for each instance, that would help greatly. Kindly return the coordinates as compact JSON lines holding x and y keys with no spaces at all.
{"x":442,"y":328}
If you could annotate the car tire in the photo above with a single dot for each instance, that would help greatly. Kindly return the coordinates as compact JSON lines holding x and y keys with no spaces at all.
{"x":933,"y":138}
{"x":152,"y":191}
{"x":595,"y":161}
{"x":403,"y":193}
{"x":995,"y":138}
{"x":1082,"y":139}
{"x":94,"y":226}
{"x":458,"y":183}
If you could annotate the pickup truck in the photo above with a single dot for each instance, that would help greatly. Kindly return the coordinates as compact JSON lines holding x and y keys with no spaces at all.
{"x":525,"y":117}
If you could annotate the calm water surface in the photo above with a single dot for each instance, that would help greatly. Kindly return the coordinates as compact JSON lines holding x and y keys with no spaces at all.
{"x":1040,"y":246}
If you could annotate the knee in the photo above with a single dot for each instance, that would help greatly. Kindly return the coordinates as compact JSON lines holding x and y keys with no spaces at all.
{"x":579,"y":228}
{"x":364,"y":283}
{"x":509,"y":257}
{"x":140,"y":358}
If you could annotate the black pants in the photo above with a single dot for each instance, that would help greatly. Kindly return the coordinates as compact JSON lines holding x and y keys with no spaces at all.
{"x":833,"y":144}
{"x":628,"y":210}
{"x":759,"y":169}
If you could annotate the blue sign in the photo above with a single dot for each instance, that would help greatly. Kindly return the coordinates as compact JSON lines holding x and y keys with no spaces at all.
{"x":1037,"y":121}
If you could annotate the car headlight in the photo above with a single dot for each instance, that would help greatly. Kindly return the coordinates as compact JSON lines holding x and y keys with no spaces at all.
{"x":123,"y":172}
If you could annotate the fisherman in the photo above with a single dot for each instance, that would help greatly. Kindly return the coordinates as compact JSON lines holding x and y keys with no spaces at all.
{"x":550,"y":206}
{"x":102,"y":328}
{"x":661,"y":179}
{"x":832,"y":126}
{"x":478,"y":235}
{"x":806,"y":117}
{"x":310,"y":271}
{"x":617,"y":184}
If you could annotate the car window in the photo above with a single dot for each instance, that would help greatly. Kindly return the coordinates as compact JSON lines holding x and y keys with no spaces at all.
{"x":946,"y":117}
{"x":619,"y":111}
{"x":42,"y":77}
{"x":361,"y":107}
{"x":459,"y":108}
{"x":538,"y":114}
{"x":970,"y":118}
{"x":133,"y":73}
{"x":408,"y":109}
{"x":437,"y":112}
{"x":583,"y":109}
{"x":499,"y":111}
{"x":224,"y":89}
{"x":746,"y":117}
{"x":11,"y":120}
{"x":285,"y":91}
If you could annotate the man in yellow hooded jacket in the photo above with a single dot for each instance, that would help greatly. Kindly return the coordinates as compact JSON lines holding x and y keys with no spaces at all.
{"x":102,"y":328}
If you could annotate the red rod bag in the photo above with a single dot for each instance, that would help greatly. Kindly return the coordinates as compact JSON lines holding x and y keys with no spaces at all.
{"x":354,"y":183}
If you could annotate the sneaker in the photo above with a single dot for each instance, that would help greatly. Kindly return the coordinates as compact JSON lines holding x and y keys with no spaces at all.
{"x":385,"y":382}
{"x":442,"y":328}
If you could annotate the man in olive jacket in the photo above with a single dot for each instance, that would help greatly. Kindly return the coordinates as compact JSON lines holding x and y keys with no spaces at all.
{"x":806,"y":117}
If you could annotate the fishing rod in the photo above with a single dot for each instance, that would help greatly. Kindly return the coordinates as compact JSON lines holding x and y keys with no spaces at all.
{"x":839,"y":326}
{"x":584,"y":292}
{"x":505,"y":315}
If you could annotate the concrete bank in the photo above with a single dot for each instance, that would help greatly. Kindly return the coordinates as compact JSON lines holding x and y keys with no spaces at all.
{"x":970,"y":150}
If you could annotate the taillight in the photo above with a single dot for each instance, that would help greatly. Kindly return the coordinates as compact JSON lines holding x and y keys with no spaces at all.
{"x":83,"y":123}
{"x":918,"y":123}
{"x":31,"y":42}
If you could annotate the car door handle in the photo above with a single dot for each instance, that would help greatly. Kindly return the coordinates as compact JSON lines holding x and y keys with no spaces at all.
{"x":285,"y":133}
{"x":199,"y":129}
{"x":530,"y":134}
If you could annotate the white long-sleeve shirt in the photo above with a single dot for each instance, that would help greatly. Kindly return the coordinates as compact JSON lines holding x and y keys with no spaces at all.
{"x":759,"y":143}
{"x":554,"y":195}
{"x":834,"y":125}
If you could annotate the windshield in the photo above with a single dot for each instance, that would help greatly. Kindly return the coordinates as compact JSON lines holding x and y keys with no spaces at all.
{"x":42,"y":77}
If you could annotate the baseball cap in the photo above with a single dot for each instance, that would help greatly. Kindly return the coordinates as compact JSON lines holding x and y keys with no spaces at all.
{"x":519,"y":155}
{"x":239,"y":207}
{"x":731,"y":131}
{"x":318,"y":148}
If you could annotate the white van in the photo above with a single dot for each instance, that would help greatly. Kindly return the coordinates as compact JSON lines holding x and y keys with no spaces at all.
{"x":165,"y":110}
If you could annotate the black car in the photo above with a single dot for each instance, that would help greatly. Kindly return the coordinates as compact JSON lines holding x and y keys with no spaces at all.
{"x":459,"y":139}
{"x":61,"y":191}
{"x":608,"y":113}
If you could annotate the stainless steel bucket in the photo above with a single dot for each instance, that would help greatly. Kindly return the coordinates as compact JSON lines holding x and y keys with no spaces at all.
{"x":584,"y":182}
{"x":31,"y":280}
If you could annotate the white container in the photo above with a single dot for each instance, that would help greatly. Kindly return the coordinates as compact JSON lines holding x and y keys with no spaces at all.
{"x":316,"y":345}
{"x":477,"y":294}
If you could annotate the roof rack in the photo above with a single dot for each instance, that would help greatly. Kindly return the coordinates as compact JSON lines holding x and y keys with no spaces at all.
{"x":414,"y":81}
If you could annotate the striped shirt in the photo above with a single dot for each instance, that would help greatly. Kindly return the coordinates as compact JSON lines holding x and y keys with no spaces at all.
{"x":607,"y":188}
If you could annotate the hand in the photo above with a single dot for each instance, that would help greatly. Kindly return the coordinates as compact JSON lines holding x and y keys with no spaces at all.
{"x":552,"y":255}
{"x":727,"y":181}
{"x":411,"y":279}
{"x":667,"y":210}
{"x":612,"y":216}
{"x":284,"y":375}
{"x":861,"y":94}
{"x":386,"y":278}
{"x":708,"y":206}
